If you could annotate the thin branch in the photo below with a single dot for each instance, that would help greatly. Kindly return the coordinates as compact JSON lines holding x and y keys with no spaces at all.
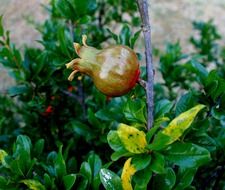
{"x":143,"y":9}
{"x":71,"y":95}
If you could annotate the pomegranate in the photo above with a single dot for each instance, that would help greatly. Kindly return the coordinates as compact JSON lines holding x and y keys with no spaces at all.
{"x":114,"y":70}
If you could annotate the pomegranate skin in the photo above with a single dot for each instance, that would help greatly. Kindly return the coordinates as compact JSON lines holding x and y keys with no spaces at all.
{"x":114,"y":70}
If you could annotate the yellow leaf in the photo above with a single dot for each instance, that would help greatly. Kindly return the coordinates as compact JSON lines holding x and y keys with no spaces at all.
{"x":133,"y":140}
{"x":33,"y":184}
{"x":177,"y":126}
{"x":3,"y":154}
{"x":127,"y":173}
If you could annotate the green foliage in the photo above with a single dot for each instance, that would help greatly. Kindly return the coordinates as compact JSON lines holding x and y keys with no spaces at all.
{"x":206,"y":42}
{"x":56,"y":134}
{"x":114,"y":183}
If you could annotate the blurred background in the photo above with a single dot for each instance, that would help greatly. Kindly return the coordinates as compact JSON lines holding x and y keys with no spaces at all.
{"x":171,"y":21}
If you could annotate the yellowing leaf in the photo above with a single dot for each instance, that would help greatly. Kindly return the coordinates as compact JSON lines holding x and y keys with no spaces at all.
{"x":127,"y":173}
{"x":33,"y":184}
{"x":177,"y":126}
{"x":3,"y":154}
{"x":175,"y":129}
{"x":133,"y":140}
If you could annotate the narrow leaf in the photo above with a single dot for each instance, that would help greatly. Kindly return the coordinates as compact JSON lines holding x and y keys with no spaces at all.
{"x":3,"y":154}
{"x":127,"y":173}
{"x":60,"y":165}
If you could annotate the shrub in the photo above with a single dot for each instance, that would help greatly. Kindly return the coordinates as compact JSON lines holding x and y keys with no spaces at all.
{"x":57,"y":134}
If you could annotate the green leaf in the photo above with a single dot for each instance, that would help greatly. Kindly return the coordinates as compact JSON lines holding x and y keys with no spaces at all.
{"x":175,"y":129}
{"x":187,"y":155}
{"x":95,"y":164}
{"x":85,"y":19}
{"x":185,"y":177}
{"x":104,"y":114}
{"x":81,"y":129}
{"x":85,"y":170}
{"x":200,"y":70}
{"x":48,"y":181}
{"x":20,"y":164}
{"x":17,"y":90}
{"x":165,"y":181}
{"x":64,"y":40}
{"x":134,"y":38}
{"x":39,"y":146}
{"x":125,"y":35}
{"x":160,"y":141}
{"x":135,"y":110}
{"x":110,"y":180}
{"x":3,"y":181}
{"x":92,"y":118}
{"x":114,"y":36}
{"x":214,"y":85}
{"x":114,"y":141}
{"x":157,"y":124}
{"x":41,"y":63}
{"x":157,"y":163}
{"x":59,"y":165}
{"x":141,"y":161}
{"x":69,"y":181}
{"x":162,"y":107}
{"x":64,"y":8}
{"x":33,"y":184}
{"x":141,"y":181}
{"x":204,"y":140}
{"x":25,"y":142}
{"x":84,"y":7}
{"x":217,"y":113}
{"x":120,"y":153}
{"x":84,"y":184}
{"x":186,"y":102}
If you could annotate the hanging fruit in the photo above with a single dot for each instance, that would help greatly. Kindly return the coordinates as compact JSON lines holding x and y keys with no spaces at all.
{"x":114,"y":70}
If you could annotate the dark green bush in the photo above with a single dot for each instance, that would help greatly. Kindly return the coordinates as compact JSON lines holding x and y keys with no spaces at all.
{"x":56,"y":134}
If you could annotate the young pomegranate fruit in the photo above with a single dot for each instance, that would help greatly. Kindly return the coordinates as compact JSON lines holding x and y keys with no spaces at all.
{"x":114,"y":70}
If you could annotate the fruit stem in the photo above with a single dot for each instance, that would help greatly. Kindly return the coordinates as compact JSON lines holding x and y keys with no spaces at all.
{"x":142,"y":83}
{"x":143,"y":9}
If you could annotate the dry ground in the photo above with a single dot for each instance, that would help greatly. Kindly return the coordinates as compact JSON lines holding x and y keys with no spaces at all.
{"x":171,"y":20}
